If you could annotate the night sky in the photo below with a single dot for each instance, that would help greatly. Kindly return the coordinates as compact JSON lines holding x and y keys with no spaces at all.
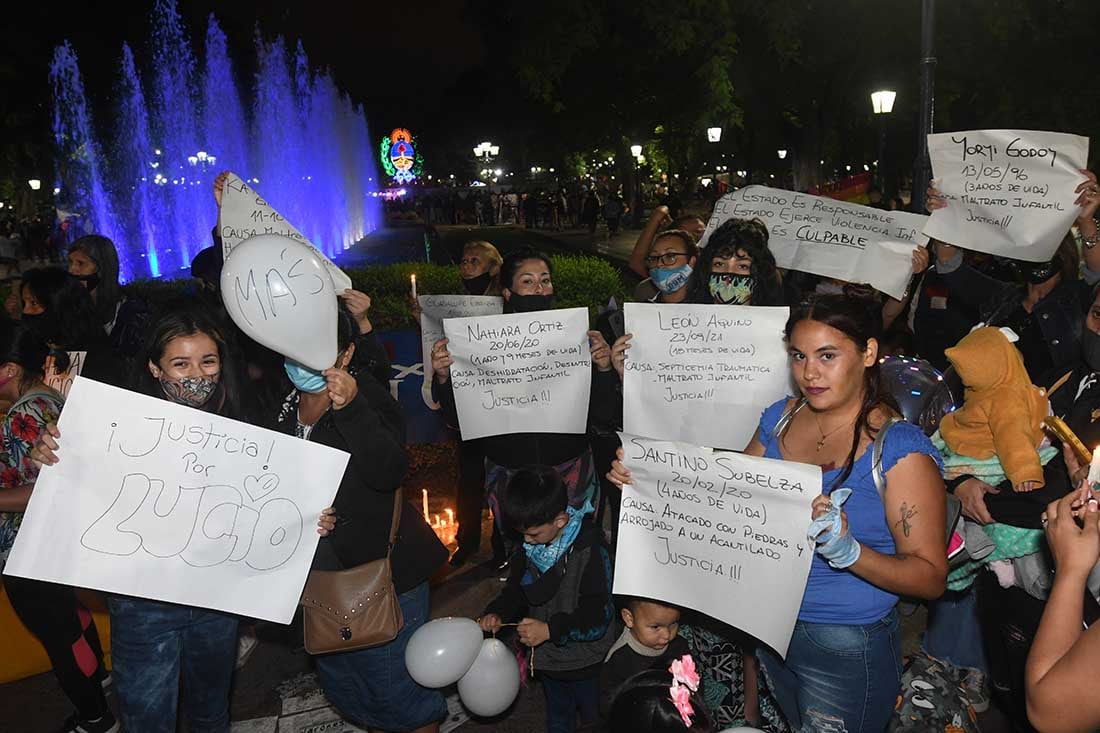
{"x":405,"y":61}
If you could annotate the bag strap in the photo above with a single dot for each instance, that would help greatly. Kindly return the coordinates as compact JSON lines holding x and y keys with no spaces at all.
{"x":786,"y":417}
{"x":876,"y":456}
{"x":397,"y":502}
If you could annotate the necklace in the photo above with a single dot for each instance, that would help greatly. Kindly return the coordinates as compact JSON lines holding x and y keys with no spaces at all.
{"x":824,"y":435}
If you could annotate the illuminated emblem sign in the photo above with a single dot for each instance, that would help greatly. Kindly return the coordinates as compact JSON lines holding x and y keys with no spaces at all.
{"x":399,"y":157}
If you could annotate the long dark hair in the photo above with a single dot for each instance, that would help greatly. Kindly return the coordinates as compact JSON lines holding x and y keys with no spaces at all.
{"x":108,"y":292}
{"x":73,"y":323}
{"x":23,"y":346}
{"x":643,"y":705}
{"x":860,"y":320}
{"x":187,"y":318}
{"x":751,"y":237}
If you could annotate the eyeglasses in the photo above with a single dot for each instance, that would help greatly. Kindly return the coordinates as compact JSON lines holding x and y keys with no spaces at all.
{"x":667,"y":259}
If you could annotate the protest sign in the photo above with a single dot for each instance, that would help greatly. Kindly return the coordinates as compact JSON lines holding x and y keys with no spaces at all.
{"x":244,"y":214}
{"x":702,"y":374}
{"x":721,"y":533}
{"x":1008,"y":192}
{"x":828,"y":237}
{"x":521,"y":372}
{"x":433,"y":309}
{"x":157,"y":500}
{"x":63,"y":381}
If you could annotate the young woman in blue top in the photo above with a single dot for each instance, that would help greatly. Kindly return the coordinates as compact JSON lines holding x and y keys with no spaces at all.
{"x":843,"y":666}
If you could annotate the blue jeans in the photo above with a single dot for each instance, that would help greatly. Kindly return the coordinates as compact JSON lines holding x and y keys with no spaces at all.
{"x":954,"y":635}
{"x":372,"y":687}
{"x":838,"y":679}
{"x":565,"y":698}
{"x":152,"y":644}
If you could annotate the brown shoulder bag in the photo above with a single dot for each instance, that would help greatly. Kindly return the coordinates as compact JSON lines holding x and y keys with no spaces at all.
{"x":344,"y":610}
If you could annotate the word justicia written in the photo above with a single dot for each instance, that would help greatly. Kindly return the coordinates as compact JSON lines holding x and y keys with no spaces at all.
{"x":151,"y":433}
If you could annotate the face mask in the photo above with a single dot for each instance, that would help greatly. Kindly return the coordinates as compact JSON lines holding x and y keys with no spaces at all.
{"x":90,"y":281}
{"x":190,"y":391}
{"x":43,"y":324}
{"x":730,"y":289}
{"x":530,"y":303}
{"x":670,"y":280}
{"x":477,"y":285}
{"x":304,"y":378}
{"x":1090,"y":349}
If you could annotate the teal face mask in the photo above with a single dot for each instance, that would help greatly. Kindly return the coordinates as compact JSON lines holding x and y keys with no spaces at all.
{"x":670,"y":280}
{"x":730,"y":289}
{"x":304,"y":378}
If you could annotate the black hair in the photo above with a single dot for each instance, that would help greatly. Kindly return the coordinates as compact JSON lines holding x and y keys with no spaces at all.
{"x":680,"y":221}
{"x":685,"y":237}
{"x":643,"y":705}
{"x":73,"y":322}
{"x":512,"y":262}
{"x":535,"y":495}
{"x":741,"y":235}
{"x":347,"y":328}
{"x":207,"y":265}
{"x":860,"y":320}
{"x":108,"y":292}
{"x":632,"y":603}
{"x":23,"y":346}
{"x":188,"y":317}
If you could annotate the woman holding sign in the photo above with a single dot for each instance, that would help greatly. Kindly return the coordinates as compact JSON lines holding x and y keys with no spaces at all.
{"x":527,"y":285}
{"x":50,"y":611}
{"x":843,"y":667}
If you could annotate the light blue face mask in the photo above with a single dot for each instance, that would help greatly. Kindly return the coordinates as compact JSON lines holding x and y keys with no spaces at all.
{"x":304,"y":378}
{"x":670,"y":280}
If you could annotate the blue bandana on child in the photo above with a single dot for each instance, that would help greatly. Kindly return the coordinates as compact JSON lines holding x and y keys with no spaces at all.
{"x":544,"y":556}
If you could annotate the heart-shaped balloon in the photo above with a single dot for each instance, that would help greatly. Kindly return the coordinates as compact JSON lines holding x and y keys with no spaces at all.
{"x":278,"y":292}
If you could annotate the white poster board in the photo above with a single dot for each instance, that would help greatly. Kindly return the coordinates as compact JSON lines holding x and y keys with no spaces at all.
{"x":721,"y":533}
{"x":521,"y":372}
{"x":63,"y":381}
{"x":702,"y":374}
{"x":827,"y":237}
{"x":244,"y":214}
{"x":435,"y":308}
{"x":156,"y":500}
{"x":1009,"y":192}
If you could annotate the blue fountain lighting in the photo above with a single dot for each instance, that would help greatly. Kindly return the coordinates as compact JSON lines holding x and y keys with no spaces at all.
{"x":145,"y":180}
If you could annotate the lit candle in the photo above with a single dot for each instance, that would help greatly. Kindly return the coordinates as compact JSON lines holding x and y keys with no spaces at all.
{"x":424,"y":494}
{"x":412,"y":279}
{"x":450,"y":516}
{"x":1094,"y":468}
{"x":437,"y":522}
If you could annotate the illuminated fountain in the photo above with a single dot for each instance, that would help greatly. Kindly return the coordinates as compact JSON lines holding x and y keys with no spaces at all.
{"x":146,"y":182}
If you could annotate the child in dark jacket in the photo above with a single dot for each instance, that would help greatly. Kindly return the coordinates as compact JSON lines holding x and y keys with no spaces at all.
{"x":649,"y":641}
{"x":559,"y":590}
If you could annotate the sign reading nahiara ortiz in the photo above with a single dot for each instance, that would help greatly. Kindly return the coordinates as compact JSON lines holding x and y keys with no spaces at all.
{"x":521,"y":372}
{"x":827,"y":237}
{"x":721,"y":533}
{"x":1008,"y":192}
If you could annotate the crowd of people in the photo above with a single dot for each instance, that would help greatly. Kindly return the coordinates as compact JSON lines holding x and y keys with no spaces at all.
{"x":1005,"y":630}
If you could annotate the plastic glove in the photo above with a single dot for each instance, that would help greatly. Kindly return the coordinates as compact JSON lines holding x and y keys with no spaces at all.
{"x":840,"y":550}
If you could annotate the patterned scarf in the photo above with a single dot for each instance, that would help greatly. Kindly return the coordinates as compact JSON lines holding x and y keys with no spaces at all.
{"x":544,"y":556}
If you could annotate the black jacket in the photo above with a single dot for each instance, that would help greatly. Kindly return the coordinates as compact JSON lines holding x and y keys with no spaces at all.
{"x":372,"y":429}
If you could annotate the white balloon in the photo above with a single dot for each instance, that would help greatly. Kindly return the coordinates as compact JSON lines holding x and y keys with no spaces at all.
{"x":277,"y":291}
{"x":492,"y":682}
{"x":441,"y":651}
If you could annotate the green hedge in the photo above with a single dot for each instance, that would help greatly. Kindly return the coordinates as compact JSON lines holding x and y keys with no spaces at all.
{"x":579,"y":281}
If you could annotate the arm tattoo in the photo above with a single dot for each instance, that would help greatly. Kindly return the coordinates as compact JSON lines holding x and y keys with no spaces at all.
{"x":907,"y":513}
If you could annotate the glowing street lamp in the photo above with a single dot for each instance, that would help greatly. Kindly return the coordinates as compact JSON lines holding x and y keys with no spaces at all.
{"x":35,"y":184}
{"x":883,"y":101}
{"x":782,"y":154}
{"x":636,"y":151}
{"x":714,"y":134}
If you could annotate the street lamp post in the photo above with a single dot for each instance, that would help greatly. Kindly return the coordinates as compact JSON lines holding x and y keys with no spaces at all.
{"x":882,"y":102}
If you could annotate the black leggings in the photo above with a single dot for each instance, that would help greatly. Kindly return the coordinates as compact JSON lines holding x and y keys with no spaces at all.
{"x":66,"y":630}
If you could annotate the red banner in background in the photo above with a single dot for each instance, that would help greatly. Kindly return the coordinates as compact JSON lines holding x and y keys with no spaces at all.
{"x":853,"y":189}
